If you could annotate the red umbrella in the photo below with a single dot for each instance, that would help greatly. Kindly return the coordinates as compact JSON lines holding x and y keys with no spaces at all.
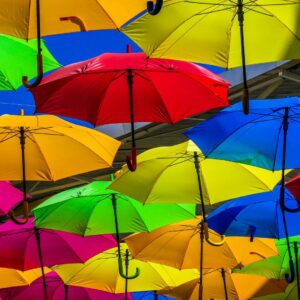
{"x":293,"y":186}
{"x":129,"y":87}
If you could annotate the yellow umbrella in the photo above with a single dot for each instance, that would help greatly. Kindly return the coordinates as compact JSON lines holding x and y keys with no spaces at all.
{"x":222,"y":33}
{"x":53,"y":148}
{"x":12,"y":277}
{"x":101,"y":272}
{"x":220,"y":284}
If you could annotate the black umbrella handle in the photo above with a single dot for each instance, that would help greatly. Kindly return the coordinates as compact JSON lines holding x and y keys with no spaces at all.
{"x":292,"y":210}
{"x":290,"y":278}
{"x":154,"y":9}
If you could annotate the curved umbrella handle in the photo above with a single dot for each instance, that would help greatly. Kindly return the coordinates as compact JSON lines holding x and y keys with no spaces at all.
{"x":131,"y":160}
{"x":292,"y":210}
{"x":121,"y":271}
{"x":207,"y":238}
{"x":290,"y":278}
{"x":154,"y":9}
{"x":76,"y":20}
{"x":39,"y":65}
{"x":25,"y":212}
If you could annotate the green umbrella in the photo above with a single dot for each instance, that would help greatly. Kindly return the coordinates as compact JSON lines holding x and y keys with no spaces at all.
{"x":18,"y":58}
{"x":93,"y":209}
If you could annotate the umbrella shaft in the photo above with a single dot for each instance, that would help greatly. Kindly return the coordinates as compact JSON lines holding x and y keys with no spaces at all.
{"x":224,"y":283}
{"x":201,"y":232}
{"x":22,"y":143}
{"x":38,"y":26}
{"x":130,"y":87}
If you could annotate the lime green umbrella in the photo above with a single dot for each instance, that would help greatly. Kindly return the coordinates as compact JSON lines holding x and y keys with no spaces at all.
{"x":18,"y":58}
{"x":93,"y":209}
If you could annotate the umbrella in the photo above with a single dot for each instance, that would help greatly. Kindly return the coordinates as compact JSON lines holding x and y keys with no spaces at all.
{"x":12,"y":277}
{"x":79,"y":210}
{"x":40,"y":139}
{"x":293,"y":185}
{"x":267,"y":137}
{"x":25,"y":247}
{"x":101,"y":272}
{"x":222,"y":284}
{"x":182,"y":246}
{"x":149,"y":295}
{"x":256,"y":215}
{"x":29,"y":19}
{"x":10,"y":197}
{"x":17,"y":58}
{"x":222,"y":33}
{"x":57,"y":290}
{"x":277,"y":267}
{"x":129,"y":87}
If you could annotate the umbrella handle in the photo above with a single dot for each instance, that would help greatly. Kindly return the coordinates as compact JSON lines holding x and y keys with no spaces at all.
{"x":154,"y":9}
{"x":25,"y":212}
{"x":39,"y":65}
{"x":292,"y":210}
{"x":123,"y":275}
{"x":76,"y":20}
{"x":207,"y":238}
{"x":290,"y":278}
{"x":131,"y":160}
{"x":252,"y":230}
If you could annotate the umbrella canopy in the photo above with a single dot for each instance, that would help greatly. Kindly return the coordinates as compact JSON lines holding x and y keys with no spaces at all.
{"x":293,"y":185}
{"x":13,"y":278}
{"x":178,"y":245}
{"x":256,"y":215}
{"x":98,"y":91}
{"x":161,"y":169}
{"x":20,"y":246}
{"x":88,"y":210}
{"x":209,"y":31}
{"x":10,"y":197}
{"x":58,"y":17}
{"x":18,"y":58}
{"x":149,"y":295}
{"x":56,"y":291}
{"x":101,"y":272}
{"x":238,"y":286}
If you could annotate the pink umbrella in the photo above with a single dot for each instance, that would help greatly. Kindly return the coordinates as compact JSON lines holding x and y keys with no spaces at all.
{"x":25,"y":247}
{"x":56,"y":290}
{"x":10,"y":197}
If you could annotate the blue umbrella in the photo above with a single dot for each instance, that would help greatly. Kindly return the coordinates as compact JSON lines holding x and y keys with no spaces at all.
{"x":267,"y":137}
{"x":150,"y":295}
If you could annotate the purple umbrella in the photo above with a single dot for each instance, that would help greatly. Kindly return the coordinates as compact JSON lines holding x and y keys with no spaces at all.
{"x":10,"y":197}
{"x":56,"y":290}
{"x":24,"y":247}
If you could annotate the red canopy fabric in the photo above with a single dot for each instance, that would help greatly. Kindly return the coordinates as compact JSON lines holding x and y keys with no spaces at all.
{"x":293,"y":185}
{"x":97,"y":90}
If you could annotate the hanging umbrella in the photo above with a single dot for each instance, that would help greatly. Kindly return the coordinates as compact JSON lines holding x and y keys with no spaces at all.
{"x":129,"y":87}
{"x":25,"y":247}
{"x":293,"y":185}
{"x":56,"y":291}
{"x":222,"y":33}
{"x":267,"y":137}
{"x":79,"y":210}
{"x":149,"y":295}
{"x":101,"y":273}
{"x":256,"y":215}
{"x":221,"y":284}
{"x":17,"y":58}
{"x":53,"y":148}
{"x":10,"y":197}
{"x":13,"y":277}
{"x":277,"y":267}
{"x":30,"y":19}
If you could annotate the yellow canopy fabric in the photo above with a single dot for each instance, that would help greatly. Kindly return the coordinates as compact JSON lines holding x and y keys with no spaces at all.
{"x":209,"y":32}
{"x":167,"y":175}
{"x":238,"y":287}
{"x":54,"y":148}
{"x":18,"y":17}
{"x":178,"y":245}
{"x":101,"y":272}
{"x":12,"y":277}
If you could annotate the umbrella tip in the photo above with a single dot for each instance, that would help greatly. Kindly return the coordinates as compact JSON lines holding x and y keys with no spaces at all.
{"x":22,"y":112}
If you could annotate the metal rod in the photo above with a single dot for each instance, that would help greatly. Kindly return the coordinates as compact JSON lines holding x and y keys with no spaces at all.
{"x":66,"y":291}
{"x":155,"y":295}
{"x":38,"y":26}
{"x":197,"y":167}
{"x":297,"y":268}
{"x":223,"y":273}
{"x":130,"y":85}
{"x":22,"y":142}
{"x":126,"y":272}
{"x":201,"y":232}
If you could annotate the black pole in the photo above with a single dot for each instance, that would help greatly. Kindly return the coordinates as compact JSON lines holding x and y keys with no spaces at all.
{"x":38,"y":26}
{"x":223,"y":273}
{"x":297,"y":268}
{"x":38,"y":239}
{"x":126,"y":272}
{"x":22,"y":142}
{"x":240,"y":13}
{"x":282,"y":195}
{"x":66,"y":291}
{"x":201,"y":261}
{"x":155,"y":295}
{"x":130,"y":85}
